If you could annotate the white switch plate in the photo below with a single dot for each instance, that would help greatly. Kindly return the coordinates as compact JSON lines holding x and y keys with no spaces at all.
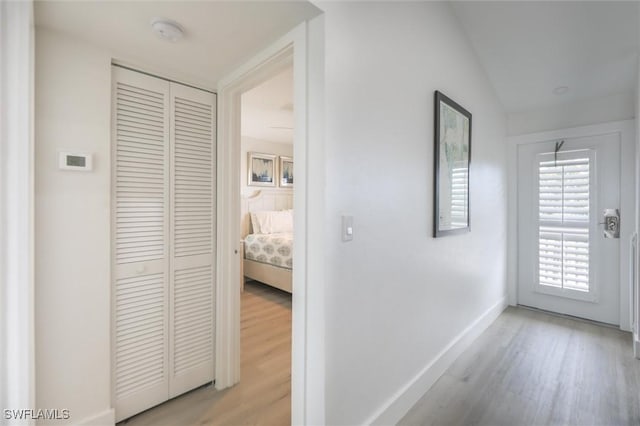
{"x":347,"y":228}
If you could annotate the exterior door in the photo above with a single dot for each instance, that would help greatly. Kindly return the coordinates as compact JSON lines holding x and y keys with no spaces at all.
{"x":565,"y":263}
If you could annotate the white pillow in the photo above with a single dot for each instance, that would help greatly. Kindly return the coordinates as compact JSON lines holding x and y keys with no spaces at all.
{"x":255,"y":224}
{"x":272,"y":222}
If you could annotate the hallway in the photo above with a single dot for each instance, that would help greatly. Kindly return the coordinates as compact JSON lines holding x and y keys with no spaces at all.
{"x":532,"y":368}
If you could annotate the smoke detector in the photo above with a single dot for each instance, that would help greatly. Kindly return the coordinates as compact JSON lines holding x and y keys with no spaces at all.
{"x":560,"y":90}
{"x":167,"y":29}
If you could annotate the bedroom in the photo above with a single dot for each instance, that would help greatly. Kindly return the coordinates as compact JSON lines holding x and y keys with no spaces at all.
{"x":266,"y":165}
{"x":266,"y":170}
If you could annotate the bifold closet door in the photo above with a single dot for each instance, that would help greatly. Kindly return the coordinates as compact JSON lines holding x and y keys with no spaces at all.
{"x":192,"y":238}
{"x":163,"y":186}
{"x":140,"y":224}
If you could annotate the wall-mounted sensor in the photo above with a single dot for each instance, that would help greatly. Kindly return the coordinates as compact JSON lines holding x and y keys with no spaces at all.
{"x":75,"y":161}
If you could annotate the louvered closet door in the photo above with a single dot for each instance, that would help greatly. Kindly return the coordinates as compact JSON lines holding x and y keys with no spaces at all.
{"x":140,"y":226}
{"x":192,"y":238}
{"x":565,"y":264}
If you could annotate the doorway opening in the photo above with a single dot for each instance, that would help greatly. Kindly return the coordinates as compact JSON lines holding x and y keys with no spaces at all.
{"x":307,"y":382}
{"x":266,"y":218}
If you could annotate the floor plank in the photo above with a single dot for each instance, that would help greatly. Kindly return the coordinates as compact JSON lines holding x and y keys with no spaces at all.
{"x":263,"y":396}
{"x":532,"y":368}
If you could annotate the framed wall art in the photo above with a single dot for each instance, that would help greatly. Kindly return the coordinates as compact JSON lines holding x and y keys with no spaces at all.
{"x":286,"y":171}
{"x":262,"y":169}
{"x":452,"y":161}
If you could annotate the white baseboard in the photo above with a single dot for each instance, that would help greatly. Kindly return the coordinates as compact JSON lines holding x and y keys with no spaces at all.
{"x":105,"y":418}
{"x":400,"y":403}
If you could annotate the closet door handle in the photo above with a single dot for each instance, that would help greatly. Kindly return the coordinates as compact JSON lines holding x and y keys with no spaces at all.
{"x":141,"y":269}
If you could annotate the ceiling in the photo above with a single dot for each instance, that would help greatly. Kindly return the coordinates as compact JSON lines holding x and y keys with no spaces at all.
{"x":219,"y":35}
{"x":529,"y":48}
{"x":267,"y":109}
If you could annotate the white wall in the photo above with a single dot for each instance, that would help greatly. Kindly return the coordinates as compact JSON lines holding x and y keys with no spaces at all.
{"x":257,"y":145}
{"x":73,"y":98}
{"x":396,"y":298}
{"x":593,"y":111}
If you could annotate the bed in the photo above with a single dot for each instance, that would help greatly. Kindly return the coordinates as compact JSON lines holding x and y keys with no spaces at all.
{"x":267,"y":238}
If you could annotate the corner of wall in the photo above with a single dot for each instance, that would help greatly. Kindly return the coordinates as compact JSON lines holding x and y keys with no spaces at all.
{"x":402,"y":401}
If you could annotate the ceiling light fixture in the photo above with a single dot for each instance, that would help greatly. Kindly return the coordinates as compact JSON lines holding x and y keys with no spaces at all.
{"x":167,"y":29}
{"x":560,"y":90}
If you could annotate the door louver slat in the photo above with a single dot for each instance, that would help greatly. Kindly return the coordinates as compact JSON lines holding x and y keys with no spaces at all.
{"x":193,"y":186}
{"x":131,"y":180}
{"x":147,"y":303}
{"x":140,"y":227}
{"x":193,"y":315}
{"x":193,"y":176}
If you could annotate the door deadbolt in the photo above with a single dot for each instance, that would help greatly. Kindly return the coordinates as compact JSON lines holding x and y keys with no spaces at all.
{"x":611,"y":223}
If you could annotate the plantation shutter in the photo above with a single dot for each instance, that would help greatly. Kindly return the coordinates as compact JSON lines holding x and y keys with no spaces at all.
{"x":192,"y":248}
{"x":564,"y":212}
{"x":141,"y":254}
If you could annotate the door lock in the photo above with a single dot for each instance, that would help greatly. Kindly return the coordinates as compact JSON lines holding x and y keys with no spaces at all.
{"x":611,"y":223}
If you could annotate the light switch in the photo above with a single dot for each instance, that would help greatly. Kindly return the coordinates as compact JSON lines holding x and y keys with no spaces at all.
{"x":347,"y":228}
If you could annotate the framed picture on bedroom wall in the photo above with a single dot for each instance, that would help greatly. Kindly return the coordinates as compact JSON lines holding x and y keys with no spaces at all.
{"x":286,"y":171}
{"x":452,"y":158}
{"x":262,"y":169}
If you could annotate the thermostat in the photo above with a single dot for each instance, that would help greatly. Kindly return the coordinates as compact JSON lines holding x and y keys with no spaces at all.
{"x":75,"y":161}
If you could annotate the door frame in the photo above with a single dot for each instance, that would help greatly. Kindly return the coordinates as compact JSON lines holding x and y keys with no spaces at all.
{"x":307,"y":370}
{"x":17,"y":206}
{"x":626,"y":130}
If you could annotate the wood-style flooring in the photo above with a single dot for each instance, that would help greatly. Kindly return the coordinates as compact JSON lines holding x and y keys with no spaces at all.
{"x":263,"y":396}
{"x":532,"y":368}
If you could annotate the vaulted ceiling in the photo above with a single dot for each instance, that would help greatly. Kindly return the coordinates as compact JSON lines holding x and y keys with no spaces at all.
{"x":530,"y":48}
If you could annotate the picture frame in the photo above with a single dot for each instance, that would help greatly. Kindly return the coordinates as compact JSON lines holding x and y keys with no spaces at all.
{"x":286,"y":171}
{"x":452,"y":161}
{"x":261,"y":169}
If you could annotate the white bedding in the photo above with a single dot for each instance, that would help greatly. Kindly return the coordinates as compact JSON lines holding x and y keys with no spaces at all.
{"x":274,"y":249}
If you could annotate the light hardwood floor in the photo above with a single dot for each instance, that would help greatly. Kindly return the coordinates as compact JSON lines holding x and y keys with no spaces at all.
{"x":532,"y":368}
{"x":263,"y":396}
